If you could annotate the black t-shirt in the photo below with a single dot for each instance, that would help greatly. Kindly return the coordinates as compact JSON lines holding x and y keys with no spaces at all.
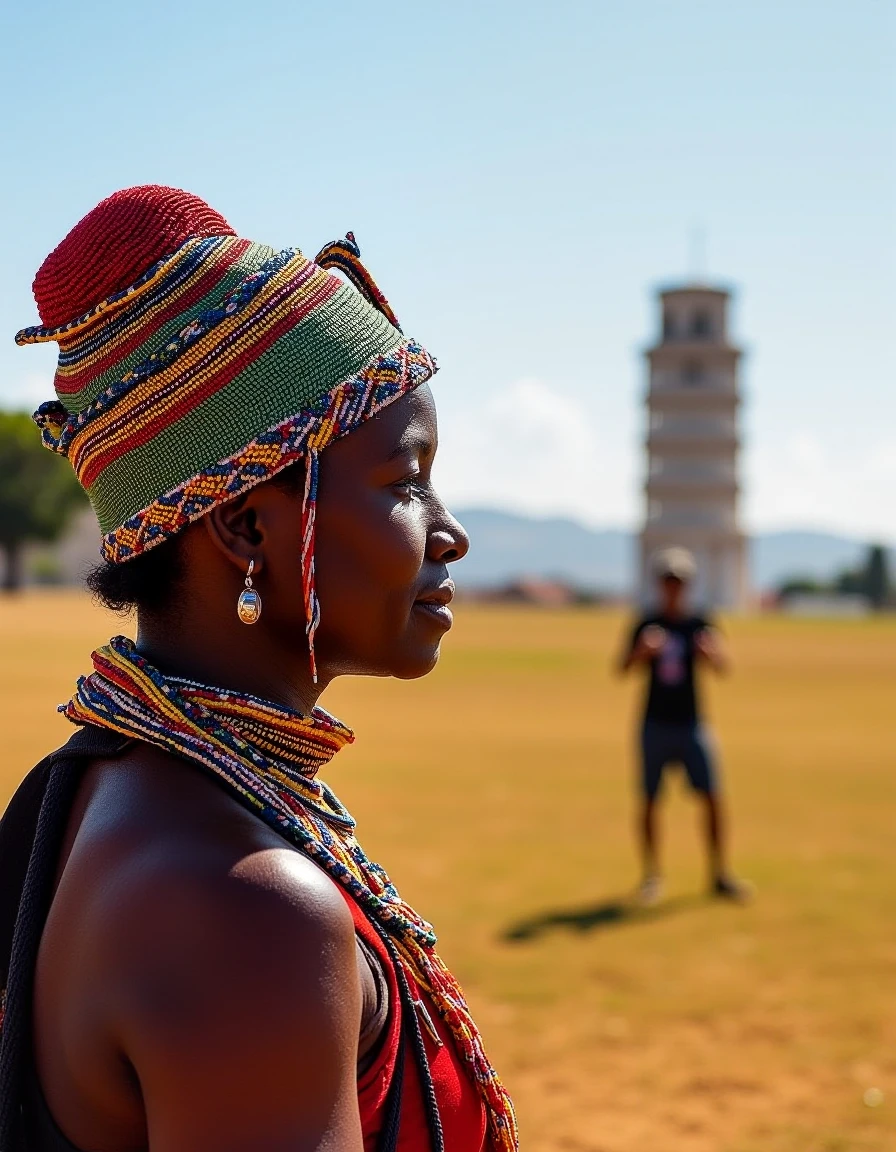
{"x":672,"y":694}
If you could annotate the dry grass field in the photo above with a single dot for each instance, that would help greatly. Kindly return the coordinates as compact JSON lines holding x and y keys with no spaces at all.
{"x":498,"y":793}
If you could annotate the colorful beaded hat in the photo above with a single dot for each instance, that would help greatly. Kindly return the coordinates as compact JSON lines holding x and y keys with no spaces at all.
{"x":194,"y":364}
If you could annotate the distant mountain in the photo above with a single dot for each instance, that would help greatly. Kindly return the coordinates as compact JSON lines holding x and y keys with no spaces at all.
{"x":775,"y":556}
{"x":507,"y":547}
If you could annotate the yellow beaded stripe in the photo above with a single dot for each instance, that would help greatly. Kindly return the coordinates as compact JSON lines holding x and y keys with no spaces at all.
{"x":276,"y":731}
{"x":349,"y":404}
{"x":96,"y":357}
{"x":40,"y":335}
{"x":154,"y":401}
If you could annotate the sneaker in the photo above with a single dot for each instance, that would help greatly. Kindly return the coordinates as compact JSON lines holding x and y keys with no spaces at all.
{"x":730,"y":888}
{"x":650,"y":891}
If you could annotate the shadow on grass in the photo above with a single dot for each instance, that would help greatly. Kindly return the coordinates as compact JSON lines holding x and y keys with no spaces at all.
{"x":608,"y":914}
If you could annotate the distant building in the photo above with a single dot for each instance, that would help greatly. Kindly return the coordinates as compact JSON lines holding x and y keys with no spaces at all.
{"x":692,"y":446}
{"x":69,"y":559}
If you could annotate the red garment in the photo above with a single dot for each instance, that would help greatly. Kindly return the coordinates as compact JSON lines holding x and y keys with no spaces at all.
{"x":460,"y":1105}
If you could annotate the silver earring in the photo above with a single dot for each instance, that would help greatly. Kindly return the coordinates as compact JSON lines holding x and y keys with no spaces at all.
{"x":248,"y":607}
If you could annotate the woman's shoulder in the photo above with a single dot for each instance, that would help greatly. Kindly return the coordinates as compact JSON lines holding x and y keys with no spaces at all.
{"x":172,"y":880}
{"x":163,"y":833}
{"x":204,"y":952}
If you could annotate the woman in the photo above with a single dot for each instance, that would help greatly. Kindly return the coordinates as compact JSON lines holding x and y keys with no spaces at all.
{"x":203,"y":957}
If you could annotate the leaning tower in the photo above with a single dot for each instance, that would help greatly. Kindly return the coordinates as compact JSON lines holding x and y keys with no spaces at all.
{"x":692,"y":446}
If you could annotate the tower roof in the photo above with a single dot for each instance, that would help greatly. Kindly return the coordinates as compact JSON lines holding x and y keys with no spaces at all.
{"x":694,"y":288}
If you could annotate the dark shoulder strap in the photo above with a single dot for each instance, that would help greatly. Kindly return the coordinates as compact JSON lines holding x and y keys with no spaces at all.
{"x":31,"y":834}
{"x":19,"y":823}
{"x":17,"y":830}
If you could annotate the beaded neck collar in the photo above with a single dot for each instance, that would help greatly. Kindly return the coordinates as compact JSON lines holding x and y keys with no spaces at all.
{"x":300,"y":744}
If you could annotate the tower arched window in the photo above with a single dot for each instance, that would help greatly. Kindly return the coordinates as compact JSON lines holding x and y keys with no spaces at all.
{"x":692,"y":372}
{"x":701,"y":324}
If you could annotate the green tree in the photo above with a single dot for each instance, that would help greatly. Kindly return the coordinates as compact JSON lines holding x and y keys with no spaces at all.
{"x":877,"y":579}
{"x":801,"y":586}
{"x":38,"y":492}
{"x":851,"y":582}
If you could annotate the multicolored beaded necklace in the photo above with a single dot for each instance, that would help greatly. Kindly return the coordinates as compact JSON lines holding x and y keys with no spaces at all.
{"x":268,"y":757}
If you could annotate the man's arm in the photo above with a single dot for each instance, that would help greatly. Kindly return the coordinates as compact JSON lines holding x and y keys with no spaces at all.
{"x":646,"y":644}
{"x":709,"y":645}
{"x":244,"y":1021}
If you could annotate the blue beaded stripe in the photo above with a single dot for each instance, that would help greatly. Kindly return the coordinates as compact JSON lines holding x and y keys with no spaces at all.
{"x":232,"y":304}
{"x":360,"y":400}
{"x":38,"y":332}
{"x":95,"y":337}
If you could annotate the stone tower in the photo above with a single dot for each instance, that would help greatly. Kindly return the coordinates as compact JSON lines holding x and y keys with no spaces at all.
{"x":692,"y":446}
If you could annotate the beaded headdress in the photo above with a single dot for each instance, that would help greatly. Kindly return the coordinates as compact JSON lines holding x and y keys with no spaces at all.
{"x":194,"y":364}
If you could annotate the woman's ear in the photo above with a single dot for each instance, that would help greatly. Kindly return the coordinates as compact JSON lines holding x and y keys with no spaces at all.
{"x":235,"y":529}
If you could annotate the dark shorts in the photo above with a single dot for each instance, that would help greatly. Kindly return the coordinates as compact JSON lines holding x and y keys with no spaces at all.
{"x":689,"y":745}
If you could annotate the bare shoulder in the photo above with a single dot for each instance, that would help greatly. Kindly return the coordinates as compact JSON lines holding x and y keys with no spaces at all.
{"x":229,"y":963}
{"x":200,"y":929}
{"x":188,"y":871}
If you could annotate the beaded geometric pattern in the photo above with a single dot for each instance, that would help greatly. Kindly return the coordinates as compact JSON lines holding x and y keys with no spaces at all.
{"x":337,"y":413}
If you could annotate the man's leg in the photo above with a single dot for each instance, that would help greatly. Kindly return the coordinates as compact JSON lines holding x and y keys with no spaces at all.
{"x":652,"y":764}
{"x":648,"y":837}
{"x":699,"y":763}
{"x":713,"y":823}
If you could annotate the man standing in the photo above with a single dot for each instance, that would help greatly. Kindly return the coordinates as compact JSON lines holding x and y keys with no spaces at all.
{"x":670,"y":643}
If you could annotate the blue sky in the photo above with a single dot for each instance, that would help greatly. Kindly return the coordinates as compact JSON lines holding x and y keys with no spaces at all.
{"x":520,"y":178}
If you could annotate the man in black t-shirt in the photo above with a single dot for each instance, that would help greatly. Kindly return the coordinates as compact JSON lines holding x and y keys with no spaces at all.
{"x":670,"y":643}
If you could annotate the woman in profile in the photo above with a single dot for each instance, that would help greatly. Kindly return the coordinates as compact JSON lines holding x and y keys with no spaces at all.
{"x":198,"y":956}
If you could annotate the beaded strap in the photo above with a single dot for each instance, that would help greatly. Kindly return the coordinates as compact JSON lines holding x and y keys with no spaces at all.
{"x":345,"y":255}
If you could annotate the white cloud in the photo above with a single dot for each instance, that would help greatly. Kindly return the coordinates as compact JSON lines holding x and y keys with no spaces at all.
{"x":882,"y":466}
{"x":805,"y":451}
{"x":534,"y":449}
{"x":804,"y":481}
